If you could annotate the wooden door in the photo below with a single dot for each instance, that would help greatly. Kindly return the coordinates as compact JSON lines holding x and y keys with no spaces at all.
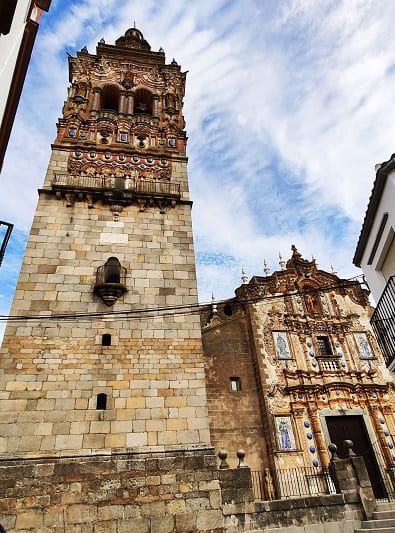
{"x":353,"y":428}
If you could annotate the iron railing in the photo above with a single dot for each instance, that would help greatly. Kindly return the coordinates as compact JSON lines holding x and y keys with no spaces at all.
{"x":387,"y":471}
{"x":6,"y":238}
{"x":383,"y":322}
{"x":104,"y":275}
{"x":292,"y":483}
{"x":133,"y":185}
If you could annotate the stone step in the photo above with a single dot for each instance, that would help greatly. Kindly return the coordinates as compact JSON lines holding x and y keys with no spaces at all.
{"x":383,"y":515}
{"x":385,"y":506}
{"x":379,"y":524}
{"x":380,"y":530}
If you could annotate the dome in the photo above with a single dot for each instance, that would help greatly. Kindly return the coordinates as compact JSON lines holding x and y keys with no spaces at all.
{"x":133,"y":38}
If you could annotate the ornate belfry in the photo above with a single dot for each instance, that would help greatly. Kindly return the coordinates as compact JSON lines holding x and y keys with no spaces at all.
{"x":92,"y":365}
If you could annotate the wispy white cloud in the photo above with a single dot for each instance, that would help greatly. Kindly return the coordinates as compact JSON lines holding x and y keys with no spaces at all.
{"x":288,"y":107}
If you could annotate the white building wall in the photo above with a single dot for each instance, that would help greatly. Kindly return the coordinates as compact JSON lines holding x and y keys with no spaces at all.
{"x":9,"y":49}
{"x":383,"y":264}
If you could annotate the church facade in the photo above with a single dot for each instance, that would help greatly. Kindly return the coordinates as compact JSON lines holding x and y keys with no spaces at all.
{"x":291,"y":366}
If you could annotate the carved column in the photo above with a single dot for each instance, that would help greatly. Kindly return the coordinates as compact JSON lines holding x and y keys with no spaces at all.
{"x":122,"y":103}
{"x":130,"y":99}
{"x":96,"y":94}
{"x":155,"y":99}
{"x":317,"y":432}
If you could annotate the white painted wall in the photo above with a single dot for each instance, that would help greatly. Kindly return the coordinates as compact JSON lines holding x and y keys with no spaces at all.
{"x":9,"y":48}
{"x":383,"y":266}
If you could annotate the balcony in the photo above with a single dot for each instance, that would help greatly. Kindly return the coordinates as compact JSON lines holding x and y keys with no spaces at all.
{"x":383,"y":323}
{"x":124,"y":190}
{"x":328,"y":363}
{"x":110,"y":281}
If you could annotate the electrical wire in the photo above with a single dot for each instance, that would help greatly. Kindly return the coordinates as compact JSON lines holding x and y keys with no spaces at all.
{"x":165,"y":311}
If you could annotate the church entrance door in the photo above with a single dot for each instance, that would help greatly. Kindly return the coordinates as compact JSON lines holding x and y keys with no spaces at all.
{"x":353,"y":428}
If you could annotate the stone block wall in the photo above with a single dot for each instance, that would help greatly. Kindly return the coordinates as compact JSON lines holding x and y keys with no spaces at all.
{"x":235,"y":416}
{"x":146,"y":493}
{"x":52,"y":369}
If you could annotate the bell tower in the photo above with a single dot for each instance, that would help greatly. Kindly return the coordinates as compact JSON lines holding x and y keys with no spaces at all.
{"x":104,"y":351}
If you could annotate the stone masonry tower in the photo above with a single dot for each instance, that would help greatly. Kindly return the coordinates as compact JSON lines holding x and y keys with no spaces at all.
{"x":103,"y":416}
{"x":109,"y":356}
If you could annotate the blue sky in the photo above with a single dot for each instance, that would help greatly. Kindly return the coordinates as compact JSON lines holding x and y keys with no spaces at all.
{"x":289,"y":105}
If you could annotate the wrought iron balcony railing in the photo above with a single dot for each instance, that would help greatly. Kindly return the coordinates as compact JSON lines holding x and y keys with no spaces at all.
{"x":132,"y":185}
{"x":110,"y":281}
{"x":383,"y":323}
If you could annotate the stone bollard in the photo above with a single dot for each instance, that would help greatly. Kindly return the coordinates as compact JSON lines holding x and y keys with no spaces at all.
{"x":351,"y":477}
{"x":236,"y":483}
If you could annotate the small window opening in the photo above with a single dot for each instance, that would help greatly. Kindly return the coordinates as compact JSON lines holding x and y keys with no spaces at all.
{"x":101,"y":401}
{"x":235,"y":384}
{"x":112,"y":271}
{"x":324,"y":346}
{"x":106,"y":339}
{"x":228,"y":310}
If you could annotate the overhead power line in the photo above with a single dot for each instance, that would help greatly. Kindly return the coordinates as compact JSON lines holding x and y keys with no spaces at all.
{"x":164,"y":311}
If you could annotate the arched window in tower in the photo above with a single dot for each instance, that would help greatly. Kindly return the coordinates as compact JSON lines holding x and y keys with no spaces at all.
{"x":112,"y":271}
{"x":110,"y":98}
{"x":101,"y":401}
{"x":143,"y":102}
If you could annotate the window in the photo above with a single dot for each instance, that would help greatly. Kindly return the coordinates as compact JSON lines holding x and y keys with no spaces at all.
{"x":112,"y":271}
{"x":324,"y":347}
{"x":72,"y":132}
{"x":282,"y":345}
{"x":101,"y":401}
{"x":378,"y":237}
{"x":124,"y":137}
{"x":106,"y":339}
{"x":228,"y":310}
{"x":235,"y":384}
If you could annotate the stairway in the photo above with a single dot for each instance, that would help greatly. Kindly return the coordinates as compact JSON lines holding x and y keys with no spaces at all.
{"x":383,"y":520}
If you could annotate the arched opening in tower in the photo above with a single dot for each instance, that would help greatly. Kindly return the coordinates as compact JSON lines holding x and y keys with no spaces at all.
{"x":110,"y":97}
{"x":143,"y":102}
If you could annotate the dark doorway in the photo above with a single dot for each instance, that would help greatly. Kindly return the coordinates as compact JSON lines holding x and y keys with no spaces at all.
{"x":353,"y":428}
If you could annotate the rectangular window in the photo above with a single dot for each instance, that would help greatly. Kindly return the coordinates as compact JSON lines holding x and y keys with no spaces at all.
{"x":324,"y":346}
{"x":364,"y":349}
{"x":378,"y":238}
{"x":281,"y":343}
{"x":124,"y":137}
{"x":235,"y":384}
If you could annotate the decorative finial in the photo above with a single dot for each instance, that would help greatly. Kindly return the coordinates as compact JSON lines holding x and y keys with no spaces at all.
{"x":333,"y":271}
{"x":295,"y":252}
{"x":174,"y":62}
{"x":281,"y":262}
{"x":314,"y":260}
{"x":102,"y":40}
{"x":244,"y":277}
{"x":213,"y":304}
{"x":134,"y":24}
{"x":240,"y":455}
{"x":223,"y":454}
{"x":84,"y":50}
{"x":161,"y":50}
{"x":266,"y":269}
